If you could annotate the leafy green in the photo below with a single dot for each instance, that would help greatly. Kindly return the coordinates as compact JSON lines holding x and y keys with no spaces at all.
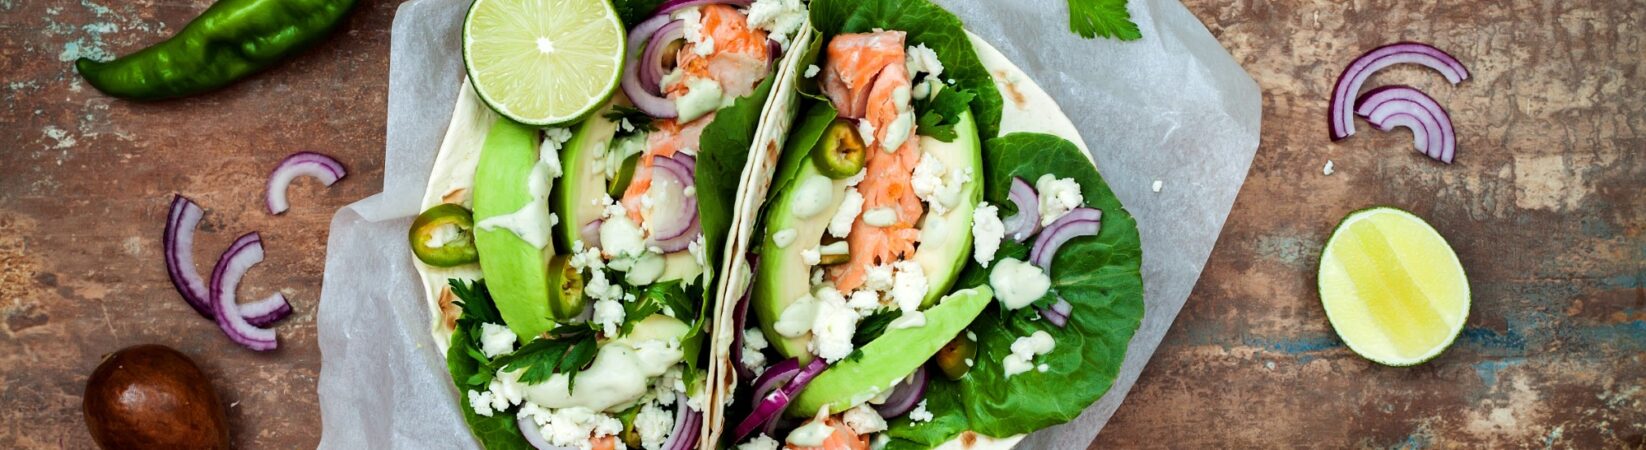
{"x":634,"y":11}
{"x":465,"y":362}
{"x":873,"y":326}
{"x":939,"y":113}
{"x":925,"y":23}
{"x":1099,"y":275}
{"x":638,"y":119}
{"x":669,"y":296}
{"x":1102,"y":18}
{"x":948,"y":419}
{"x":542,"y":357}
{"x":723,"y":149}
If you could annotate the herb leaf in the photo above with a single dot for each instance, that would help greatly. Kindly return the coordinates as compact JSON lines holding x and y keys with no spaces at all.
{"x":641,"y":122}
{"x":940,"y":111}
{"x":873,"y":326}
{"x":1102,"y":18}
{"x":472,"y":371}
{"x":548,"y":356}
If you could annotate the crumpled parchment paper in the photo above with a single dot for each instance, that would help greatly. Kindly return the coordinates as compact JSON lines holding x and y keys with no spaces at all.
{"x":1173,"y":107}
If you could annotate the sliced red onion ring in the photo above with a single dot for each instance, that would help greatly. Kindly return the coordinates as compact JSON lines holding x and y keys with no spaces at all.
{"x":776,"y":377}
{"x":534,"y":434}
{"x":740,"y":318}
{"x":675,"y":5}
{"x":179,"y":242}
{"x":1078,"y":222}
{"x":652,"y":104}
{"x":687,"y":426}
{"x":671,"y":216}
{"x":300,"y":164}
{"x":684,"y":240}
{"x":1059,"y":313}
{"x":774,"y":50}
{"x":1340,"y":122}
{"x":1391,"y":106}
{"x":1027,"y":220}
{"x":687,"y":160}
{"x":905,"y":395}
{"x":231,"y":267}
{"x":590,"y":233}
{"x":772,"y":405}
{"x":651,"y":61}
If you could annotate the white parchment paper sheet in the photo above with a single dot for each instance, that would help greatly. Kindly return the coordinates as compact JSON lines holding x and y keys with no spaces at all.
{"x":1172,"y":107}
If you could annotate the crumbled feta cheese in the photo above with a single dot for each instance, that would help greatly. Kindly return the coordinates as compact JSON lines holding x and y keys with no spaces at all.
{"x":796,"y":320}
{"x":784,"y":237}
{"x":1018,"y":284}
{"x":571,"y":427}
{"x":1327,"y":170}
{"x":921,"y":58}
{"x":841,"y":223}
{"x":866,"y":131}
{"x":864,"y":420}
{"x":920,"y":414}
{"x":619,"y":236}
{"x":865,"y":301}
{"x":1024,"y":349}
{"x":908,"y":286}
{"x":878,"y":277}
{"x":833,"y":326}
{"x":696,"y":249}
{"x":753,"y":343}
{"x":608,"y":314}
{"x":704,"y":48}
{"x":880,"y":217}
{"x":928,"y":176}
{"x":495,"y":339}
{"x":481,"y":402}
{"x":780,"y":18}
{"x":987,"y":230}
{"x":653,"y":424}
{"x":858,"y":178}
{"x":506,"y":390}
{"x":761,"y":442}
{"x":1057,"y":197}
{"x":1156,"y":186}
{"x":810,"y":256}
{"x":549,"y":151}
{"x":939,"y":188}
{"x":691,"y":23}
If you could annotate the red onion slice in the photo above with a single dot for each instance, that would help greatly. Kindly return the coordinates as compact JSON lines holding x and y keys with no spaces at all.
{"x":687,"y":426}
{"x":740,"y":315}
{"x":1340,"y":122}
{"x":684,"y":240}
{"x":675,"y":5}
{"x":1078,"y":222}
{"x":1059,"y":313}
{"x":590,"y":233}
{"x":672,"y":218}
{"x":651,"y":61}
{"x":246,"y":252}
{"x":772,"y":405}
{"x":776,"y":377}
{"x":652,"y":104}
{"x":774,"y":50}
{"x":1027,"y":220}
{"x":179,"y":242}
{"x":1385,"y":105}
{"x":301,"y":164}
{"x":905,"y":395}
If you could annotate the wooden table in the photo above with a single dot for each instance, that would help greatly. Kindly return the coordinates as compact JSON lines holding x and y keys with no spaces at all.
{"x":1546,"y":206}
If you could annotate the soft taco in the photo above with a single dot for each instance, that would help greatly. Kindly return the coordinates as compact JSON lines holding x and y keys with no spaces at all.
{"x":571,"y":272}
{"x":937,"y":263}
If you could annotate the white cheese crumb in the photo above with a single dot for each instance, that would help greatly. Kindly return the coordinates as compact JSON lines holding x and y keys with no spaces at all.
{"x":878,"y":277}
{"x":833,"y":327}
{"x":1057,"y":197}
{"x":811,"y":256}
{"x":812,"y":70}
{"x":1328,"y":169}
{"x":987,"y":230}
{"x":864,"y":420}
{"x":495,"y":339}
{"x":653,"y":424}
{"x":908,"y":286}
{"x":841,"y":224}
{"x":761,"y":442}
{"x":921,"y":58}
{"x":753,"y":342}
{"x":1156,"y":186}
{"x":920,"y":414}
{"x":609,"y":315}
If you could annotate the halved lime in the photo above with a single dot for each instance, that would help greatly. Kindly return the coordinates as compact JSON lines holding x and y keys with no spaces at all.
{"x":1393,"y":289}
{"x":543,"y":62}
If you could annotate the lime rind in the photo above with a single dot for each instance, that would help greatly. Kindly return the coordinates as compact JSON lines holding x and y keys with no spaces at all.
{"x":584,"y":69}
{"x":1363,"y":348}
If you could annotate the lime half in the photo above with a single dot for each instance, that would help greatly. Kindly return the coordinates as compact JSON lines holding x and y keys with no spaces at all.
{"x":1393,"y":289}
{"x":543,"y":62}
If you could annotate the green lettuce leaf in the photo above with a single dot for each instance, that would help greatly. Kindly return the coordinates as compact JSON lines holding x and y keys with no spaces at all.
{"x":722,"y":151}
{"x":943,"y":399}
{"x":1100,"y":275}
{"x":635,"y":11}
{"x":926,"y":23}
{"x":465,"y":361}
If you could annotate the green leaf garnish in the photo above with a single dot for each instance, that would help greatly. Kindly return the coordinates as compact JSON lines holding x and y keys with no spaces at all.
{"x":939,"y":112}
{"x":1102,"y":18}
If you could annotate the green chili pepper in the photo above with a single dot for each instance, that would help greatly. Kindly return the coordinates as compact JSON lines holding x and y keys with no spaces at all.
{"x":435,"y":241}
{"x":230,"y":40}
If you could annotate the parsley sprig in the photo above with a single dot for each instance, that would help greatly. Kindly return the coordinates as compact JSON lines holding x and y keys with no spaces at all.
{"x":939,"y":112}
{"x":1102,"y":18}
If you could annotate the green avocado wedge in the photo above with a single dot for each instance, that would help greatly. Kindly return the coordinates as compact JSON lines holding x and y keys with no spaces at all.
{"x":516,"y":271}
{"x":783,"y":277}
{"x":575,"y":195}
{"x":890,"y":357}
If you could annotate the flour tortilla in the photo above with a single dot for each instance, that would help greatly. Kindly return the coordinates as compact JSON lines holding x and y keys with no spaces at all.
{"x":1027,"y":108}
{"x":452,"y":181}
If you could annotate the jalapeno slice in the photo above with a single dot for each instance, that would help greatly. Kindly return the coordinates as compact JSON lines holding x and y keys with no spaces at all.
{"x":565,"y":289}
{"x":840,"y":154}
{"x":443,"y":236}
{"x":953,"y":357}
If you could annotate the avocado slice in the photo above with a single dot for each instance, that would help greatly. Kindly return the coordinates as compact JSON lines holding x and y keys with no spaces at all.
{"x":783,"y":277}
{"x":889,"y":358}
{"x":515,"y":270}
{"x":575,"y":194}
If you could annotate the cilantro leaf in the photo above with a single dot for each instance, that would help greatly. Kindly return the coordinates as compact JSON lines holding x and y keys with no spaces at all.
{"x":1102,"y":18}
{"x":641,"y":122}
{"x":669,"y":297}
{"x":548,"y":356}
{"x":873,"y":326}
{"x":476,"y":302}
{"x":939,"y":112}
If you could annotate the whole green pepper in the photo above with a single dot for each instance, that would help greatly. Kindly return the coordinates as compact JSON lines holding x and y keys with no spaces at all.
{"x":230,"y":40}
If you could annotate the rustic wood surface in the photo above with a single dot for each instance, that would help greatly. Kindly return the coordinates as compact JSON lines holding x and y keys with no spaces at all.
{"x":1546,"y":207}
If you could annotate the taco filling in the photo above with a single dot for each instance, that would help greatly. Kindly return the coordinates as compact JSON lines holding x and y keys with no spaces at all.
{"x":916,"y":277}
{"x":596,"y":244}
